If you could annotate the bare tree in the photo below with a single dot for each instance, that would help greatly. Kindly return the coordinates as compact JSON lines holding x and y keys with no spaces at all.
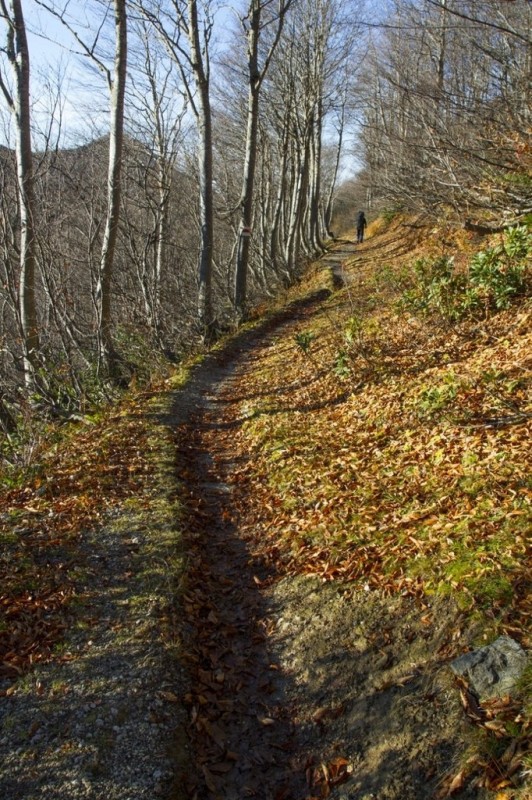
{"x":307,"y":95}
{"x":253,"y":25}
{"x":186,"y":29}
{"x":157,"y":106}
{"x":448,"y":113}
{"x":117,"y":85}
{"x":16,"y":52}
{"x":116,"y":82}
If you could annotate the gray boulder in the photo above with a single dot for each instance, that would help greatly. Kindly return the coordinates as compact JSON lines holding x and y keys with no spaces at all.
{"x":494,"y":670}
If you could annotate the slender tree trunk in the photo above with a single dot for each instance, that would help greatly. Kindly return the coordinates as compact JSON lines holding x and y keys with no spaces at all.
{"x":246,"y":202}
{"x":160,"y":245}
{"x":205,"y":166}
{"x":265,"y":217}
{"x":164,"y":167}
{"x":443,"y":47}
{"x":298,"y":209}
{"x":305,"y":200}
{"x":255,"y":77}
{"x":193,"y":59}
{"x":205,"y":306}
{"x":246,"y":198}
{"x":116,"y":140}
{"x":315,"y":220}
{"x":277,"y":223}
{"x":19,"y":104}
{"x":327,"y":216}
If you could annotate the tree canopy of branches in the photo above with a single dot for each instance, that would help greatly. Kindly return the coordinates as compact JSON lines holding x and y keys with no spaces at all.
{"x":447,"y":118}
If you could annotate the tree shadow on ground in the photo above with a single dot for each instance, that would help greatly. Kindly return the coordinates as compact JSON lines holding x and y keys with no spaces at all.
{"x":241,"y":732}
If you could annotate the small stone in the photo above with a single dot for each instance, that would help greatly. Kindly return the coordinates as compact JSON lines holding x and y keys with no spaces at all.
{"x":494,"y":670}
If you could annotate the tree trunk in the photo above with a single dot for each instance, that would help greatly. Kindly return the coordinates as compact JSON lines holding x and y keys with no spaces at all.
{"x":256,"y":75}
{"x":278,"y":215}
{"x":246,"y":202}
{"x":327,"y":216}
{"x":19,"y":105}
{"x":205,"y":307}
{"x":316,"y":220}
{"x":116,"y":140}
{"x":246,"y":198}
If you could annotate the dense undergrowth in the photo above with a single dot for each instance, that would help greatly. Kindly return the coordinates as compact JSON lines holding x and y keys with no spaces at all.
{"x":390,"y":432}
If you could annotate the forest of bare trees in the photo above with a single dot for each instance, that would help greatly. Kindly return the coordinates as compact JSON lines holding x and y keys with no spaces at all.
{"x":213,"y":180}
{"x":447,"y":113}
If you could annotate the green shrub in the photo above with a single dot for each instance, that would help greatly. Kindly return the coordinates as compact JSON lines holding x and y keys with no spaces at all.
{"x":498,"y":273}
{"x":437,"y":288}
{"x":138,"y":356}
{"x":434,"y":399}
{"x":303,"y":340}
{"x":495,"y":276}
{"x":341,"y":364}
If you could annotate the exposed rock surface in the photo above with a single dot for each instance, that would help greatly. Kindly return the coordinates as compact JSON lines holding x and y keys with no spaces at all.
{"x":494,"y":670}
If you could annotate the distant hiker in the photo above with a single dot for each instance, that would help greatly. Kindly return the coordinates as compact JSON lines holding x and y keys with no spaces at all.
{"x":362,"y":223}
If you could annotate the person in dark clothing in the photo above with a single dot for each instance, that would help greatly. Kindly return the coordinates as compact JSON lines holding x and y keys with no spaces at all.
{"x":361,"y":226}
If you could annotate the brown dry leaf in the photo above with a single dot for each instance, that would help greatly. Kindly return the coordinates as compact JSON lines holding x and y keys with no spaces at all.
{"x":169,"y":696}
{"x":471,"y":705}
{"x":320,"y":714}
{"x":339,"y":770}
{"x":215,"y":733}
{"x":503,"y":785}
{"x":338,"y":763}
{"x":404,"y":679}
{"x":457,"y":782}
{"x":496,"y":726}
{"x":509,"y":752}
{"x":515,"y":764}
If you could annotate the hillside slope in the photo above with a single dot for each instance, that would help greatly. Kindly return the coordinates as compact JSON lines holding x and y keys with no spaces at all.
{"x":384,"y":457}
{"x":251,"y":581}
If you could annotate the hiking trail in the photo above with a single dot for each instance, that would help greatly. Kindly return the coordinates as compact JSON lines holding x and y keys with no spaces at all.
{"x":299,"y":688}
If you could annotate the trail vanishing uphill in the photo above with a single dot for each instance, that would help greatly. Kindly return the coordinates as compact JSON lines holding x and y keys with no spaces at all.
{"x":298,"y":688}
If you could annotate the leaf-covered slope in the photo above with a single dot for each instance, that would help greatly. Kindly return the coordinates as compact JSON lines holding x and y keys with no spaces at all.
{"x":386,"y":454}
{"x":395,"y":449}
{"x":360,"y":442}
{"x":76,"y":483}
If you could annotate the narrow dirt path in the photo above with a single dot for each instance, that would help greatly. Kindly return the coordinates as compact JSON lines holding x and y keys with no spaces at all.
{"x":244,"y":737}
{"x":298,"y":689}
